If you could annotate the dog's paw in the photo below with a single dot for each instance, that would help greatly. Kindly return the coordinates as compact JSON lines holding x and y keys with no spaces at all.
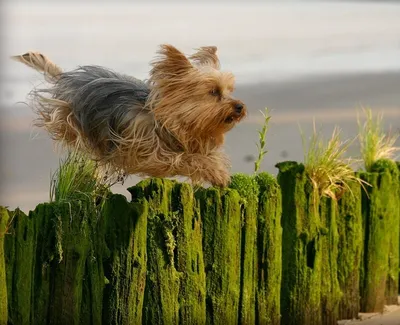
{"x":220,"y":178}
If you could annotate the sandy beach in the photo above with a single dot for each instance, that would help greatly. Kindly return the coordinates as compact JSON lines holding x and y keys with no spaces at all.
{"x":301,"y":60}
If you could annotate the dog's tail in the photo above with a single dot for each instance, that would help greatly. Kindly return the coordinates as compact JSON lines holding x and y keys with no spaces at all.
{"x":54,"y":114}
{"x":41,"y":63}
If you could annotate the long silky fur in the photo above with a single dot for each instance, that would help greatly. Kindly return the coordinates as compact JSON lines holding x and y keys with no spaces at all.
{"x":101,"y":112}
{"x":111,"y":117}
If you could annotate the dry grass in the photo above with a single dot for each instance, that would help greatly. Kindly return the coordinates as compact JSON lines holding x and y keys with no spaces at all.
{"x":325,"y":163}
{"x":78,"y":178}
{"x":375,"y":144}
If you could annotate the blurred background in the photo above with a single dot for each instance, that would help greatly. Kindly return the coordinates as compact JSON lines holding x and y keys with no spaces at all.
{"x":301,"y":59}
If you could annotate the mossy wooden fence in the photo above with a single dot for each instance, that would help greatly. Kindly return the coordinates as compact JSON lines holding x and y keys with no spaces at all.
{"x":264,"y":251}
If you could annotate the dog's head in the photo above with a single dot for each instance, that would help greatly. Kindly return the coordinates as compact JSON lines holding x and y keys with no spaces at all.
{"x":190,"y":96}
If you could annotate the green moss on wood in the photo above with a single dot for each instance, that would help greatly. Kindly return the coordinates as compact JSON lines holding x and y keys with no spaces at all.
{"x":247,"y":188}
{"x":161,"y":304}
{"x":4,"y":222}
{"x":45,"y":258}
{"x":175,"y":289}
{"x":216,"y":256}
{"x":269,"y":251}
{"x":9,"y":259}
{"x":385,"y":166}
{"x":392,"y":281}
{"x":72,"y":250}
{"x":398,"y":167}
{"x":221,"y":216}
{"x":301,"y":248}
{"x":45,"y":265}
{"x":381,"y":237}
{"x":20,"y":274}
{"x":70,"y":223}
{"x":124,"y":227}
{"x":350,"y":248}
{"x":189,"y":257}
{"x":330,"y":288}
{"x":61,"y":288}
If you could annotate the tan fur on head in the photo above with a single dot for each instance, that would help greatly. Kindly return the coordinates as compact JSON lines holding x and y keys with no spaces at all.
{"x":206,"y":55}
{"x":40,"y":63}
{"x":174,"y":125}
{"x":193,"y":101}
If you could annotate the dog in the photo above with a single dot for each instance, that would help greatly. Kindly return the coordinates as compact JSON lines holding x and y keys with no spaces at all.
{"x":172,"y":124}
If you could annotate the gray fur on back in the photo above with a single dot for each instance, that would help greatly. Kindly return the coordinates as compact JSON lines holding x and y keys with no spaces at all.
{"x":102,"y":100}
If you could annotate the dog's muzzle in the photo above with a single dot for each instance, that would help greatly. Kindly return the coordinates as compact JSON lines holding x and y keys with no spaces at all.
{"x":239,"y":112}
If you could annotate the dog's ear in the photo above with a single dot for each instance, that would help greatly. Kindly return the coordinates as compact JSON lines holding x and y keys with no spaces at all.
{"x":170,"y":63}
{"x":206,"y":55}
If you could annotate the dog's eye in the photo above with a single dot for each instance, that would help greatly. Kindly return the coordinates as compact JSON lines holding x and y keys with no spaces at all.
{"x":214,"y":92}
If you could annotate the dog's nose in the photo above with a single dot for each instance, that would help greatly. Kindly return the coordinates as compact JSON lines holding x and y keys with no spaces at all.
{"x":238,"y":108}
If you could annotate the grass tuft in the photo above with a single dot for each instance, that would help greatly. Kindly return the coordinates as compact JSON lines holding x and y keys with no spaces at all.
{"x":79,"y":178}
{"x":262,"y":134}
{"x":374,"y":143}
{"x":330,"y":173}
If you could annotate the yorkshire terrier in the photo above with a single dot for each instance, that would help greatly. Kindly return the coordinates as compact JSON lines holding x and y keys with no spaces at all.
{"x":172,"y":124}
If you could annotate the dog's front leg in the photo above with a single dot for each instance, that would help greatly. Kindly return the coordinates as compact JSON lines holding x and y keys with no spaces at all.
{"x":212,"y":168}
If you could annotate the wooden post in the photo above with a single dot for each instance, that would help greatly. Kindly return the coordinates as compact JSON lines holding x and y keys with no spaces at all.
{"x":247,"y":188}
{"x":302,"y":248}
{"x":175,"y":284}
{"x":350,"y":250}
{"x":269,"y":251}
{"x":121,"y":261}
{"x":221,"y":215}
{"x":381,"y":237}
{"x":330,"y":289}
{"x":4,"y":222}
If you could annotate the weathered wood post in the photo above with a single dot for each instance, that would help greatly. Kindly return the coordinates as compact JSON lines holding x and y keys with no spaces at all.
{"x":221,"y":216}
{"x":175,"y":281}
{"x":381,"y":237}
{"x":247,"y":188}
{"x":269,"y":251}
{"x":398,"y":167}
{"x":350,"y":249}
{"x":33,"y":252}
{"x":257,"y":252}
{"x":302,"y":248}
{"x":120,"y":262}
{"x":67,"y":265}
{"x":330,"y":288}
{"x":4,"y":221}
{"x":189,"y":256}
